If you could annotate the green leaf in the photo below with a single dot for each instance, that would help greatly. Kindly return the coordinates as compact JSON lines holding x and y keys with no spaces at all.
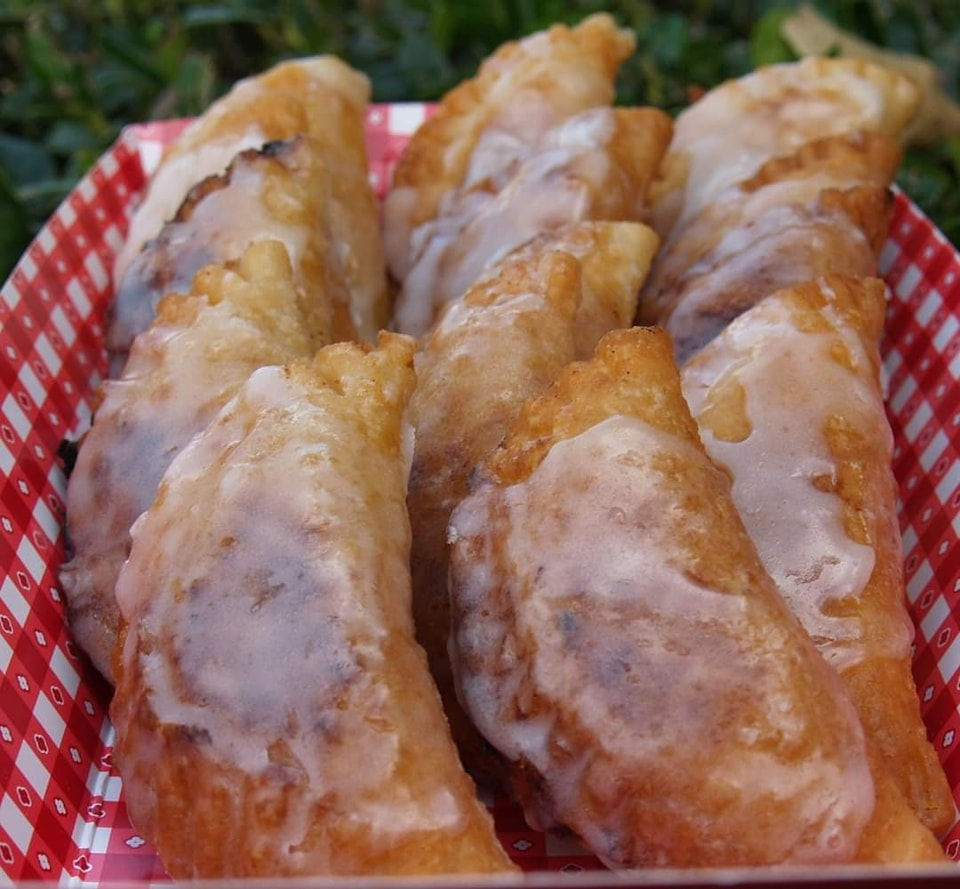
{"x":45,"y":61}
{"x":132,"y":52}
{"x":24,"y":160}
{"x":205,"y":15}
{"x":195,"y":85}
{"x":925,"y":180}
{"x":14,"y":231}
{"x":767,"y":46}
{"x":951,"y":151}
{"x":47,"y":191}
{"x":170,"y":54}
{"x":903,"y":29}
{"x":67,"y":137}
{"x":668,"y":40}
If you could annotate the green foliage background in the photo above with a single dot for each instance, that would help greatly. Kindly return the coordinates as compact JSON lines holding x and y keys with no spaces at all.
{"x":73,"y":73}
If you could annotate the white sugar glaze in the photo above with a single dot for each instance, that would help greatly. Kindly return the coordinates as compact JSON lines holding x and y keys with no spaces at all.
{"x":169,"y":186}
{"x":765,"y":212}
{"x":502,"y":313}
{"x":222,"y":225}
{"x":793,"y":386}
{"x":514,"y":190}
{"x":277,"y":635}
{"x":732,"y":131}
{"x":577,"y":566}
{"x":774,"y":235}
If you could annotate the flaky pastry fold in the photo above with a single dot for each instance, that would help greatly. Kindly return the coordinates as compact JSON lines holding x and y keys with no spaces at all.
{"x":730,"y":132}
{"x":824,"y":209}
{"x":283,"y":192}
{"x":520,"y":90}
{"x":529,"y":145}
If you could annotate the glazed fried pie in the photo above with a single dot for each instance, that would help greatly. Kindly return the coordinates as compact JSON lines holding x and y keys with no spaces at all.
{"x":505,"y":341}
{"x":618,"y":640}
{"x":789,"y":402}
{"x":274,"y":715}
{"x":823,"y":210}
{"x":197,"y":352}
{"x":728,"y":134}
{"x":529,"y":145}
{"x":320,"y":97}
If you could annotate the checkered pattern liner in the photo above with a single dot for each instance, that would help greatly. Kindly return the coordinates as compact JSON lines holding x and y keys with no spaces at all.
{"x":62,"y":816}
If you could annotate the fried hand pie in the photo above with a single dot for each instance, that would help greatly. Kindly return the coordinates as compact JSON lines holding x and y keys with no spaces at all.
{"x":823,"y":210}
{"x":502,"y":343}
{"x":281,"y":192}
{"x":528,"y":146}
{"x":319,"y":96}
{"x":616,"y":637}
{"x":789,"y":402}
{"x":730,"y":132}
{"x":195,"y":355}
{"x":519,"y":91}
{"x":274,"y":715}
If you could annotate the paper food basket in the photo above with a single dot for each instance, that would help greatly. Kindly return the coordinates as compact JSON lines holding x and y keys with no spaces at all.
{"x":62,"y":815}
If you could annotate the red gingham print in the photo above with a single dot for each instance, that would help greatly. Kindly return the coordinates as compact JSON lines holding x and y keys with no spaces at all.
{"x":922,"y":358}
{"x":53,"y":706}
{"x":61,"y":806}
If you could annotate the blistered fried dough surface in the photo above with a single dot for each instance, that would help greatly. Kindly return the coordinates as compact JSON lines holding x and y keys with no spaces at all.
{"x":595,"y":165}
{"x":282,"y":192}
{"x":615,"y":258}
{"x":319,"y":96}
{"x":617,"y":639}
{"x":528,"y":145}
{"x":823,"y":210}
{"x":520,"y":92}
{"x":728,"y":134}
{"x":275,"y":716}
{"x":502,"y":343}
{"x":788,"y":399}
{"x":198,"y":351}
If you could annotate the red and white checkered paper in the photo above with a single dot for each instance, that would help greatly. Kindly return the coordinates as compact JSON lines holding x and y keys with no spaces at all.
{"x":62,"y":816}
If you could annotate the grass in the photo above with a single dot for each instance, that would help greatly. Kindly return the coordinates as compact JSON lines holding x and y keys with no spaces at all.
{"x":72,"y":74}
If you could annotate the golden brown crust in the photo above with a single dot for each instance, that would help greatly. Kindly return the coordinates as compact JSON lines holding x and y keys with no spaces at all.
{"x":502,"y":344}
{"x":860,"y":156}
{"x":327,"y":99}
{"x":281,"y":191}
{"x":900,"y":95}
{"x":640,"y":139}
{"x":880,"y":684}
{"x":436,"y":158}
{"x":201,"y":347}
{"x":591,"y":166}
{"x":275,"y":716}
{"x":608,"y":753}
{"x":882,"y":688}
{"x":629,"y":374}
{"x":859,"y":301}
{"x":615,"y":258}
{"x":321,"y":97}
{"x":471,"y":381}
{"x":739,"y":125}
{"x":895,"y":833}
{"x":529,"y":145}
{"x":823,"y":210}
